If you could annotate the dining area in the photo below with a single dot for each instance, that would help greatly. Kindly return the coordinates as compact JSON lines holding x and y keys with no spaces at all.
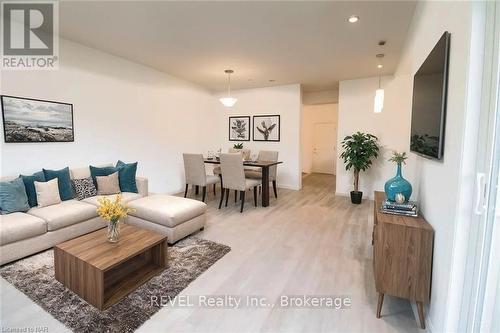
{"x":236,"y":172}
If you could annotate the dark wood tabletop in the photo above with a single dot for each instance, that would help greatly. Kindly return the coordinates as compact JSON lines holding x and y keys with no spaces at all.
{"x":260,"y":164}
{"x":264,"y":165}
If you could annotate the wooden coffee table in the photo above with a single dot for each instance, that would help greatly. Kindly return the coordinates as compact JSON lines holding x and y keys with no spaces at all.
{"x":102,"y":273}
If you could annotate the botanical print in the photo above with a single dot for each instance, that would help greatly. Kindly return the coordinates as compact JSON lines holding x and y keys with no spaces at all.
{"x":29,"y":120}
{"x":239,"y":128}
{"x":266,"y":128}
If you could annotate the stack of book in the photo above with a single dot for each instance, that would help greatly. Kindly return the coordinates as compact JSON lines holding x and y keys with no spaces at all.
{"x":407,"y":209}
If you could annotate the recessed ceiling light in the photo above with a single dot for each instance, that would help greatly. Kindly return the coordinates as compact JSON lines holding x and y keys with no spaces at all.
{"x":353,"y":19}
{"x":380,"y":66}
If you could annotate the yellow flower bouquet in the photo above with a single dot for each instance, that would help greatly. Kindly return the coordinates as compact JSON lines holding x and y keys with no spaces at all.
{"x":112,"y":211}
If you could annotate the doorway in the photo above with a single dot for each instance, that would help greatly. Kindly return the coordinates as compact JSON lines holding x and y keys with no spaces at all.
{"x":319,"y":138}
{"x":324,"y":148}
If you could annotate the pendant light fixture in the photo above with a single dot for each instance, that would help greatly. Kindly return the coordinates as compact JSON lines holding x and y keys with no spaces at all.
{"x":378,"y":105}
{"x":228,"y":101}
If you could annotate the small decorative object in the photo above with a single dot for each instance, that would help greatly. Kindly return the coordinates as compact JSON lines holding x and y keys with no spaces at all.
{"x":112,"y":211}
{"x":409,"y":208}
{"x":266,"y":128}
{"x":400,"y":198}
{"x":239,"y":128}
{"x":358,"y":151}
{"x":397,"y":184}
{"x":34,"y":120}
{"x":238,"y":146}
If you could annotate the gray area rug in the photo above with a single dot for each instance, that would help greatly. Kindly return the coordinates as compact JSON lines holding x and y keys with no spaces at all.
{"x":34,"y":276}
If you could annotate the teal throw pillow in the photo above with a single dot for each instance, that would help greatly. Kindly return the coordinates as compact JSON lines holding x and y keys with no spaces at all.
{"x":101,"y":171}
{"x":126,"y":176}
{"x":29,"y":184}
{"x":13,"y":197}
{"x":64,"y":181}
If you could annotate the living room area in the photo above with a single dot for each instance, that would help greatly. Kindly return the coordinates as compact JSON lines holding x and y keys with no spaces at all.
{"x":249,"y":166}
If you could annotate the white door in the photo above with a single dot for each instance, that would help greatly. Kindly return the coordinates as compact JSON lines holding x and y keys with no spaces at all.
{"x":480,"y":308}
{"x":324,"y":148}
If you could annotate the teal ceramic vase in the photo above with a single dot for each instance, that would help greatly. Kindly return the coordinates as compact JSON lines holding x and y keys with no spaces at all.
{"x":397,"y":185}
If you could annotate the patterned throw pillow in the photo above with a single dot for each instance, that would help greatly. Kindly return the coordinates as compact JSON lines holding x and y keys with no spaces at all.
{"x":84,"y":188}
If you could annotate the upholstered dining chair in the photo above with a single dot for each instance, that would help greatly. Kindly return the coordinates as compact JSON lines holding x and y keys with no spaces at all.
{"x":269,"y":156}
{"x":233,"y":176}
{"x":194,"y":167}
{"x":244,"y":151}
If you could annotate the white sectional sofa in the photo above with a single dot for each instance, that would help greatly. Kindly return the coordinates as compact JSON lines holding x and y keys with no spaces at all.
{"x":22,"y":234}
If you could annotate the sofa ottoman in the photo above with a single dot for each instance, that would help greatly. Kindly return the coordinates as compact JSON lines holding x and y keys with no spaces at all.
{"x":173,"y":216}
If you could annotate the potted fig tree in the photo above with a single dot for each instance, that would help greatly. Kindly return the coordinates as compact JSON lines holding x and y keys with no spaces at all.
{"x":358,"y":151}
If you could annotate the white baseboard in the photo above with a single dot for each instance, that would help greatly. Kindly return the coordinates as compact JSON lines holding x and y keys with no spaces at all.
{"x":289,"y":187}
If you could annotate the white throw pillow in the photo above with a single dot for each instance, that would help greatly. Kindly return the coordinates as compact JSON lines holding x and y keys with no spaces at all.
{"x":108,"y":184}
{"x":47,"y":193}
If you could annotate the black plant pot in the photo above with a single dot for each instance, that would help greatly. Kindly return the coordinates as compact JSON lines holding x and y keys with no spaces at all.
{"x":356,"y":197}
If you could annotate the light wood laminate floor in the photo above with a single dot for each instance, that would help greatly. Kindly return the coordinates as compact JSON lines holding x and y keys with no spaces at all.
{"x":306,"y":242}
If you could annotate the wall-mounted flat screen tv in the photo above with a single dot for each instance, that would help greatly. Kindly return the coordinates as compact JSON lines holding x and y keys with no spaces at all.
{"x":429,"y":102}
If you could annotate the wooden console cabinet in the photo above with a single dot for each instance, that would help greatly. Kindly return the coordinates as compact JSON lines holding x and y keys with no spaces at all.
{"x":402,"y":257}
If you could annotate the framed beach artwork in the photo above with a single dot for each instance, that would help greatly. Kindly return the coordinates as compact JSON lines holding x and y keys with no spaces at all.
{"x":266,"y":128}
{"x":35,"y":120}
{"x":239,"y":128}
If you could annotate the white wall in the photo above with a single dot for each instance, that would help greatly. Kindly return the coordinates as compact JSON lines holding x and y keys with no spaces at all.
{"x":437,"y":184}
{"x":391,"y":126}
{"x":311,"y":114}
{"x":439,"y":181}
{"x":282,"y":100}
{"x":122,"y":110}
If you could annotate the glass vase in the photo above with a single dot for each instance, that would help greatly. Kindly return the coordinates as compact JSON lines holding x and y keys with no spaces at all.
{"x":398,"y":185}
{"x":113,"y":231}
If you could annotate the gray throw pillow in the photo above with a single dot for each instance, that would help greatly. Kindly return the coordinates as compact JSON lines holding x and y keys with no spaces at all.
{"x":107,"y":185}
{"x":47,"y":193}
{"x":84,"y":188}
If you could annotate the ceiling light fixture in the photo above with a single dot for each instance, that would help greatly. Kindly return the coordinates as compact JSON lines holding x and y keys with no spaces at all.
{"x":228,"y":101}
{"x":353,"y":19}
{"x":378,"y":105}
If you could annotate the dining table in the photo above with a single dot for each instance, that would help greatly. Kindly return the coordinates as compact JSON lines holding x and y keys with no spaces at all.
{"x":264,"y":165}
